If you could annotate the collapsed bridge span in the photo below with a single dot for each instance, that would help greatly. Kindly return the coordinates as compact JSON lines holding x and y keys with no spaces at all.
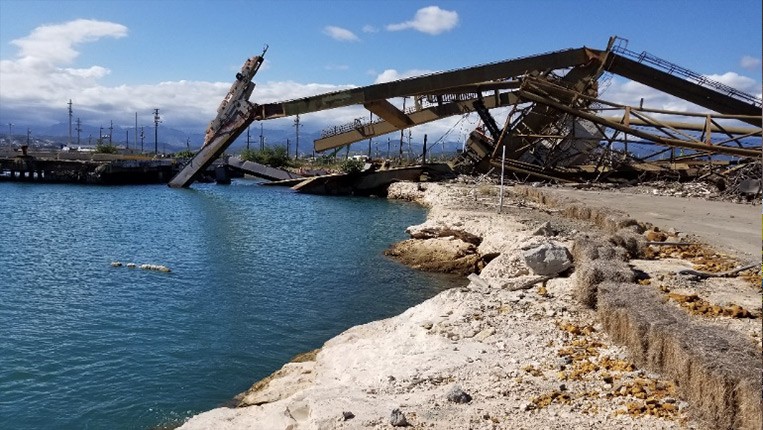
{"x":552,"y":97}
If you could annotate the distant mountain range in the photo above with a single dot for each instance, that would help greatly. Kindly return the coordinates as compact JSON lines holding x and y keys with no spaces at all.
{"x":173,"y":140}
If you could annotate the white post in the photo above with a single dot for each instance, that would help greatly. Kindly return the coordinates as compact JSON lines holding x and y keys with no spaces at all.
{"x":503,"y":163}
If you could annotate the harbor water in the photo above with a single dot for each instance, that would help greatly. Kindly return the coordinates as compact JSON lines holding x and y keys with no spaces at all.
{"x":259,"y":274}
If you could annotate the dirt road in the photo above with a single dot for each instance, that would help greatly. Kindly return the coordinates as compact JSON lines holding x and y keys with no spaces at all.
{"x":729,"y":227}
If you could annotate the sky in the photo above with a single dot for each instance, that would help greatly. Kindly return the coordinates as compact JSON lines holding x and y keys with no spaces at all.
{"x":114,"y":58}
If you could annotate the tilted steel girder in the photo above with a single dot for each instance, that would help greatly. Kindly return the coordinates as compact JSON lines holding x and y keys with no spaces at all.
{"x":680,"y":88}
{"x":385,"y":109}
{"x":423,"y":116}
{"x":538,"y":97}
{"x":580,"y":78}
{"x":428,"y":84}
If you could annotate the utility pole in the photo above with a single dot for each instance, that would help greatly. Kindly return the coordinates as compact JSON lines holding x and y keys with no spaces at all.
{"x":296,"y":143}
{"x":401,"y":133}
{"x":70,"y":123}
{"x":142,"y":136}
{"x":127,"y":139}
{"x":111,"y":130}
{"x":424,"y":151}
{"x":388,"y":147}
{"x":410,"y":149}
{"x":371,"y":119}
{"x":247,"y":137}
{"x":100,"y":135}
{"x":10,"y":133}
{"x":287,"y":147}
{"x":136,"y":129}
{"x":262,"y":141}
{"x":156,"y":131}
{"x":79,"y":129}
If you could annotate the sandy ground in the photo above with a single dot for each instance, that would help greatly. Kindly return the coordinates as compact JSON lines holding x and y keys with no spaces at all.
{"x":484,"y":356}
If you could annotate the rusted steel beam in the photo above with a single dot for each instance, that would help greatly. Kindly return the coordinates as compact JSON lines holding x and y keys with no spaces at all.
{"x":741,"y":152}
{"x":691,"y":126}
{"x":580,"y":78}
{"x":429,"y":83}
{"x":680,"y":88}
{"x":209,"y":152}
{"x":387,"y":111}
{"x":419,"y":117}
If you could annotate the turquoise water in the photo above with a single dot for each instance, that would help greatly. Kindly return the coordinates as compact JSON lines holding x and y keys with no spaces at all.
{"x":259,"y":274}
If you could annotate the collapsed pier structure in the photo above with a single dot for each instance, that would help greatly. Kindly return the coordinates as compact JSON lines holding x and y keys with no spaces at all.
{"x":559,"y":127}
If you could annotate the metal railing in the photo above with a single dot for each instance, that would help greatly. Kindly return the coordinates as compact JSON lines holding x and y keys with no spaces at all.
{"x":676,"y":70}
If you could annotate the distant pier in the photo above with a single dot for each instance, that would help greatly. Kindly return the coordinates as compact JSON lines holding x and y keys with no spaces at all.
{"x":85,"y":168}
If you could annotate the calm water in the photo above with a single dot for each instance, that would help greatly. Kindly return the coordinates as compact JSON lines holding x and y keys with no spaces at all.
{"x":259,"y":275}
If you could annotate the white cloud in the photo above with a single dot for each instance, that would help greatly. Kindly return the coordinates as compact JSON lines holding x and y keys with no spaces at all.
{"x":370,"y":29}
{"x":37,"y":84}
{"x":750,"y":63}
{"x":37,"y":75}
{"x":54,"y":44}
{"x":431,"y":20}
{"x":390,"y":75}
{"x":738,"y":82}
{"x":340,"y":34}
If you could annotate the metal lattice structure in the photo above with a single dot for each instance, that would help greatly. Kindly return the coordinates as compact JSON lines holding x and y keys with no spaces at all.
{"x":559,"y":128}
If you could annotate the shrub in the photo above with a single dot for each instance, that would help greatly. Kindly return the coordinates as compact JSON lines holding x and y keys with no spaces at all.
{"x":186,"y":153}
{"x":106,"y":148}
{"x":274,"y":156}
{"x":351,"y":166}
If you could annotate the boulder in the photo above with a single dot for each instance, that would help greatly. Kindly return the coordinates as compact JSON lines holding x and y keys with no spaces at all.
{"x":457,"y":395}
{"x":548,"y":259}
{"x":397,"y":419}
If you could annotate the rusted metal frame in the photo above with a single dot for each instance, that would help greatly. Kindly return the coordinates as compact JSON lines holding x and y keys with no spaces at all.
{"x":476,"y":88}
{"x":604,"y":153}
{"x":514,"y":168}
{"x":735,"y":139}
{"x":608,"y":150}
{"x":384,"y":109}
{"x":549,"y":158}
{"x":679,"y":87}
{"x":654,"y":154}
{"x":662,"y":126}
{"x":427,"y":83}
{"x":551,"y":88}
{"x":754,"y":120}
{"x":742,"y":118}
{"x":687,"y":125}
{"x":713,"y":123}
{"x":423,"y":116}
{"x":539,"y":117}
{"x":545,"y":114}
{"x":210,"y":152}
{"x":487,"y":119}
{"x":743,"y":152}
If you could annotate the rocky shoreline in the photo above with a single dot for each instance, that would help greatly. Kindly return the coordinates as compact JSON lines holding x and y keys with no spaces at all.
{"x":572,"y":322}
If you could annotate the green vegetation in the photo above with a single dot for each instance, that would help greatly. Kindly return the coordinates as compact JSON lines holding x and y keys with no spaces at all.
{"x":186,"y":153}
{"x":275,"y":156}
{"x":105,"y":148}
{"x":351,"y":166}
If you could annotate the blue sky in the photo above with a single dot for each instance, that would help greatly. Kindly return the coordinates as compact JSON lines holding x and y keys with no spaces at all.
{"x":180,"y":56}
